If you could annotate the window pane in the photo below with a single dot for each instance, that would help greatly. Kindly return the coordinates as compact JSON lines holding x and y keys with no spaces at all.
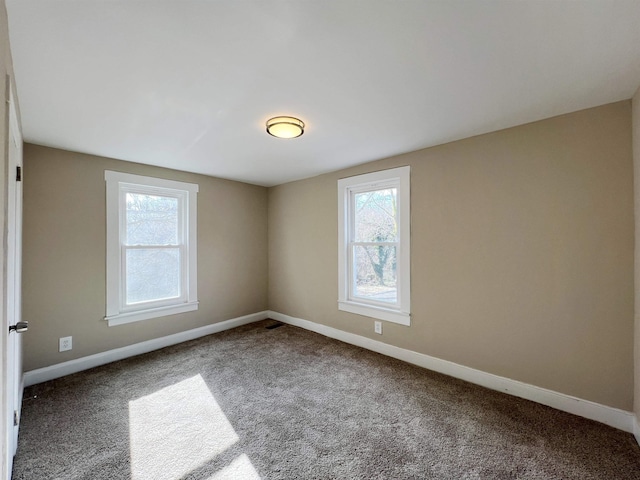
{"x":152,"y":274}
{"x":376,"y":216}
{"x":374,"y":273}
{"x":151,"y":220}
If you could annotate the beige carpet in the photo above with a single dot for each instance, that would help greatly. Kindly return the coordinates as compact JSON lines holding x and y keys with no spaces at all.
{"x":285,"y":403}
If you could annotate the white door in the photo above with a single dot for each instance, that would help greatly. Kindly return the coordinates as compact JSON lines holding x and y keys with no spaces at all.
{"x":12,"y":313}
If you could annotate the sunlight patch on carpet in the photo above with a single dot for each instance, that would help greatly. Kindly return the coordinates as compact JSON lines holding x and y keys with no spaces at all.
{"x":240,"y":468}
{"x":176,"y":430}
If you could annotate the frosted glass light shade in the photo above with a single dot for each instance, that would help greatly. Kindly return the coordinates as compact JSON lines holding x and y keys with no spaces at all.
{"x":285,"y":127}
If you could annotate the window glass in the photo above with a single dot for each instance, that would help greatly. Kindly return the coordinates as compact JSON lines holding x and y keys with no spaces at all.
{"x":151,"y":219}
{"x":375,"y":273}
{"x":376,"y":216}
{"x":152,"y":274}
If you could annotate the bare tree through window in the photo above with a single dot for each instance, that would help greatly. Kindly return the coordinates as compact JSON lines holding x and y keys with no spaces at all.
{"x":374,"y":249}
{"x":152,"y":256}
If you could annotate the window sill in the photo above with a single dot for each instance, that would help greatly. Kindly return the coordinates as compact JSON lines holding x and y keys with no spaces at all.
{"x":130,"y":317}
{"x":389,"y":315}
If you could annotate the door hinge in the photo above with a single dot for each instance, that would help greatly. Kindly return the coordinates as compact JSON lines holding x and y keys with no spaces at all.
{"x":18,"y":174}
{"x":15,"y":418}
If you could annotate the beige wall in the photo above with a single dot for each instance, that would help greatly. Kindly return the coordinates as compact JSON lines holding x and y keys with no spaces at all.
{"x":522,"y":253}
{"x":64,"y":255}
{"x":636,"y":168}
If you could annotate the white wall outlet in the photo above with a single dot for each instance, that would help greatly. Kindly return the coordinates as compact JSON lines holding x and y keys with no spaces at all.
{"x":65,"y":344}
{"x":377,"y":327}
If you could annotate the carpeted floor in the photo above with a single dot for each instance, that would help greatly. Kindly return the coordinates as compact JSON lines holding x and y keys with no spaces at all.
{"x":285,"y":403}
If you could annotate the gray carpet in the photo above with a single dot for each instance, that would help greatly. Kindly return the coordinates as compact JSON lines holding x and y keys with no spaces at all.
{"x":285,"y":403}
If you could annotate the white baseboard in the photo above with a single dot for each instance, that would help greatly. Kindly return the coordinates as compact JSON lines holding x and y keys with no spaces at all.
{"x":72,"y":366}
{"x":614,"y":417}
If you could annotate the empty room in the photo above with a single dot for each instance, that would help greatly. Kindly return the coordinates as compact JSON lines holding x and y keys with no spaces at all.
{"x":341,"y":239}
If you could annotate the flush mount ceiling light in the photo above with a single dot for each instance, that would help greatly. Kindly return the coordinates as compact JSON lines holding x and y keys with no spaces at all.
{"x":285,"y":127}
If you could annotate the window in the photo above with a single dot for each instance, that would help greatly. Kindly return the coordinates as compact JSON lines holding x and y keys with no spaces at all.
{"x":151,"y":247}
{"x":374,"y":241}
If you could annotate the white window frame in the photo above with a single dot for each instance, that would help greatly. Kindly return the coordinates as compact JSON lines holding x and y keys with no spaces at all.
{"x":118,"y":185}
{"x":347,"y":187}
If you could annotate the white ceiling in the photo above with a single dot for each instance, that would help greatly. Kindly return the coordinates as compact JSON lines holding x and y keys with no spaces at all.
{"x":188,"y":84}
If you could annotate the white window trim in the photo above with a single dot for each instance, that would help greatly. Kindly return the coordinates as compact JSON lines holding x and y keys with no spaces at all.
{"x":116,"y":313}
{"x":401,"y":314}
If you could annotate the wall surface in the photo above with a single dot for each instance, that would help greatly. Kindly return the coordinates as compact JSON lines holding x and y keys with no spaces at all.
{"x":522,"y":253}
{"x":64,"y":255}
{"x":636,"y":170}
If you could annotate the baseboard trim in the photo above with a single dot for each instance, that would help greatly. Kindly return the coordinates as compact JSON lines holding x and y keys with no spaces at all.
{"x":614,"y":417}
{"x":73,"y":366}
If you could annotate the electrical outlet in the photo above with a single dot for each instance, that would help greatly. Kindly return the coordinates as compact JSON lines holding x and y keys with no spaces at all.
{"x":65,"y":344}
{"x":377,"y":327}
